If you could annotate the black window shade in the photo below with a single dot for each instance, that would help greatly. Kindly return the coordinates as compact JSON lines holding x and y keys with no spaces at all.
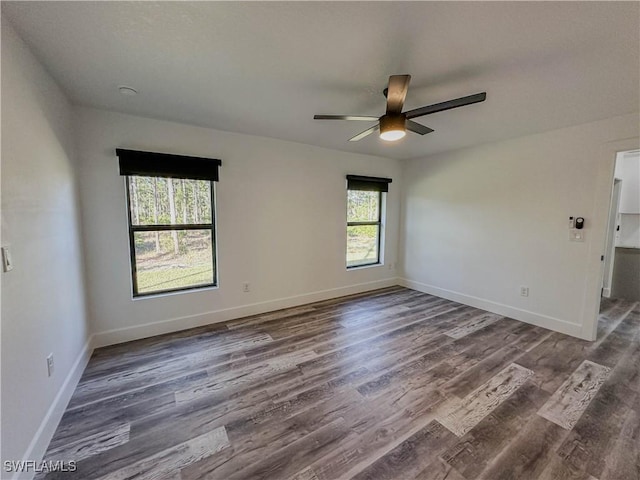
{"x":369,"y":184}
{"x":152,"y":164}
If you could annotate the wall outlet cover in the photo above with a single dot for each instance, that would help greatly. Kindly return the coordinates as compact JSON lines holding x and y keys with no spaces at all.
{"x":7,"y":262}
{"x":50,"y":364}
{"x":576,"y":235}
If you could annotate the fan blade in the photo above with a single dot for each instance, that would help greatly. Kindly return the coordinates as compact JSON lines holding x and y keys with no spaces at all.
{"x":345,"y":117}
{"x":417,"y":128}
{"x":397,"y":92}
{"x":439,"y":107}
{"x":366,"y":133}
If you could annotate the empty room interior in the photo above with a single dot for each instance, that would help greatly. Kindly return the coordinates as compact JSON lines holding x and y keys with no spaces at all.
{"x":320,"y":240}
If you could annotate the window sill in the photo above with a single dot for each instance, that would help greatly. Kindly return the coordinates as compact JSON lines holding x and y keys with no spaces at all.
{"x":361,"y":267}
{"x":177,"y":292}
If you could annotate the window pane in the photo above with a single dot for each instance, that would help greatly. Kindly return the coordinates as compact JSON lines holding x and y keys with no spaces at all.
{"x":363,"y":206}
{"x":156,"y":201}
{"x":362,"y":245}
{"x":173,"y":260}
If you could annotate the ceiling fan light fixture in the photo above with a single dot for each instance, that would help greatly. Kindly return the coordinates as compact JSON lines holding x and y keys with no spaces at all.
{"x":392,"y":127}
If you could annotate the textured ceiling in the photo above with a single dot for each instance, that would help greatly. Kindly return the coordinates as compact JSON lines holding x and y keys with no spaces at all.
{"x":265,"y":68}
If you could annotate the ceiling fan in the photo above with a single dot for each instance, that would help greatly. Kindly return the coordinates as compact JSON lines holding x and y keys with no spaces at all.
{"x":393,"y":125}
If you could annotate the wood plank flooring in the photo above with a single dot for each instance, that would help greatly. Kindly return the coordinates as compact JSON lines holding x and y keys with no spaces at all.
{"x":390,"y":384}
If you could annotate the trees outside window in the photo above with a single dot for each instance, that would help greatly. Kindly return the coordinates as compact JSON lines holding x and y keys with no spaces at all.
{"x":364,"y":220}
{"x":172,"y":234}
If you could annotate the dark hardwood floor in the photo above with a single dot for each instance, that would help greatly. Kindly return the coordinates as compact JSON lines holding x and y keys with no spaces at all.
{"x":392,"y":384}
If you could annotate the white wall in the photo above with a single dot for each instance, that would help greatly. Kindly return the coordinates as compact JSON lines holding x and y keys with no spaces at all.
{"x":281,"y":213}
{"x":43,"y":308}
{"x":478,"y":223}
{"x":628,"y":170}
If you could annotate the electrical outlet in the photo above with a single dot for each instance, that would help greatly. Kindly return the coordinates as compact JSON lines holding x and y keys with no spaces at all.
{"x":524,"y":291}
{"x":245,"y":287}
{"x":50,"y":364}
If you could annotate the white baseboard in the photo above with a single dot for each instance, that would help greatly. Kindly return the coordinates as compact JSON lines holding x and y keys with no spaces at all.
{"x":38,"y":446}
{"x":137,"y":332}
{"x":526,"y":316}
{"x":606,"y":292}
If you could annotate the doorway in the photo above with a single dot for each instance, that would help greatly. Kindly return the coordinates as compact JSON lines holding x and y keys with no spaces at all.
{"x":621,"y":276}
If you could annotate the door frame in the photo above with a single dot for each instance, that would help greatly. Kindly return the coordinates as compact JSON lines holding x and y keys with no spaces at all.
{"x":612,"y":226}
{"x":597,"y":246}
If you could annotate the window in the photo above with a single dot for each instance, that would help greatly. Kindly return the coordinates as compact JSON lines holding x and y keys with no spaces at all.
{"x":365,"y":205}
{"x":172,"y":237}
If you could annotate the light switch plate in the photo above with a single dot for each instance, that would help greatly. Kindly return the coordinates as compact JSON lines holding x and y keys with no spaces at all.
{"x":7,"y":262}
{"x":576,"y":235}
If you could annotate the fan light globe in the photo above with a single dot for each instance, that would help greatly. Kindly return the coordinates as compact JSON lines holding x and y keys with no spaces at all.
{"x":392,"y":127}
{"x":392,"y":135}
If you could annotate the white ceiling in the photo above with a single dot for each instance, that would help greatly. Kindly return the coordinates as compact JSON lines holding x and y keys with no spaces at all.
{"x":265,"y":68}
